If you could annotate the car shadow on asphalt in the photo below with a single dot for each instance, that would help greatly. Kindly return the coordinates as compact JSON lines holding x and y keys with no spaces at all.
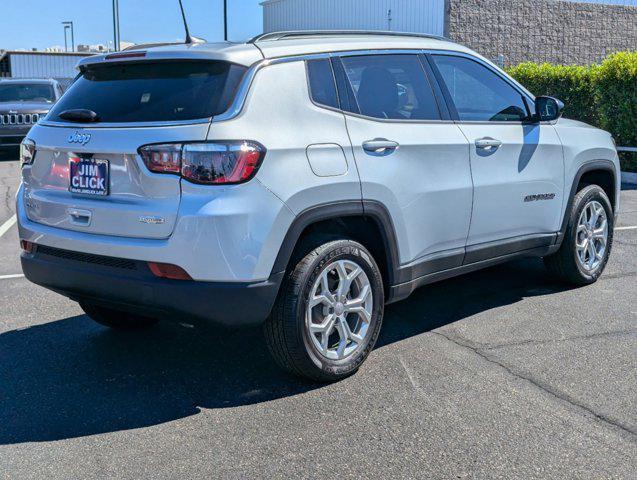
{"x":72,"y":378}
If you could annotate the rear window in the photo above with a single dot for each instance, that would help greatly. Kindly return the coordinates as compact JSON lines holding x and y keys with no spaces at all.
{"x":153,"y":92}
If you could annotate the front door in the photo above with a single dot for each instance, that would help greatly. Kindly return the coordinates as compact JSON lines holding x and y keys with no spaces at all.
{"x":409,"y":159}
{"x":517,"y":166}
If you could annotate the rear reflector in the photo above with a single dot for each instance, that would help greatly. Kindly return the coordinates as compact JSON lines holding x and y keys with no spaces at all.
{"x":166,"y":270}
{"x":26,"y":246}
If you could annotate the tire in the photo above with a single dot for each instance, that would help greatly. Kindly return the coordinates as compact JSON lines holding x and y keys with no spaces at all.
{"x":116,"y":319}
{"x":566,"y":263}
{"x":356,"y":322}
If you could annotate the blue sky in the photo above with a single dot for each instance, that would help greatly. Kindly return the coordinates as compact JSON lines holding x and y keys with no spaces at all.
{"x":36,"y":23}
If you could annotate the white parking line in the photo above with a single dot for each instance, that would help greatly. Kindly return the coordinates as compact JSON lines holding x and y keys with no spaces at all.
{"x":4,"y":228}
{"x":633,"y":227}
{"x":16,"y":275}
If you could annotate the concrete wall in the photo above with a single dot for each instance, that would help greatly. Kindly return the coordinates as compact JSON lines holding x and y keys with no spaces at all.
{"x":542,"y":30}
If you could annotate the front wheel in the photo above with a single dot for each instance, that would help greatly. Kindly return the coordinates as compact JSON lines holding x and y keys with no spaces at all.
{"x":587,"y":242}
{"x":328,"y":315}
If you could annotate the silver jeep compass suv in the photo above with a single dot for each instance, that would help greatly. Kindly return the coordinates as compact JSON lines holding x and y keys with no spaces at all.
{"x":303,"y":180}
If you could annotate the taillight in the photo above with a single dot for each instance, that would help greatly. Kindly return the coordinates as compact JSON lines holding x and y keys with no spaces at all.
{"x":211,"y":163}
{"x":27,"y":152}
{"x":162,"y":158}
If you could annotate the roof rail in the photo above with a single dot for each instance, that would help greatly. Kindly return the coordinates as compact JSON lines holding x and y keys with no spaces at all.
{"x":285,"y":35}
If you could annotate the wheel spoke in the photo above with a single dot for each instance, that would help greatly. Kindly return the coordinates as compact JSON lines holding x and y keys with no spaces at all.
{"x":581,"y":228}
{"x":320,"y":299}
{"x":602,"y":230}
{"x":343,"y":333}
{"x":346,"y":279}
{"x":594,"y":216}
{"x":360,"y":300}
{"x":601,"y":241}
{"x":324,"y":328}
{"x":362,"y":312}
{"x":325,"y":288}
{"x":358,"y":339}
{"x":582,"y":246}
{"x":592,"y":255}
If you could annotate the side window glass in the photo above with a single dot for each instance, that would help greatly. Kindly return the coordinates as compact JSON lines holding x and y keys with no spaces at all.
{"x":322,"y":86}
{"x":478,"y":93}
{"x":391,"y":87}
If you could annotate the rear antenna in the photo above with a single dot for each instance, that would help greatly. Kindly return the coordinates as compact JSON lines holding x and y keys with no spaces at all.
{"x":183,"y":15}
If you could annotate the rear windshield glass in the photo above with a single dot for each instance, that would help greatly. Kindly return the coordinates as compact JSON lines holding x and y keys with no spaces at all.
{"x":26,"y":92}
{"x":153,"y":92}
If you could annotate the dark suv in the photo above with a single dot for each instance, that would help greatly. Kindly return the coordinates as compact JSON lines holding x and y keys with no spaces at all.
{"x":22,"y":103}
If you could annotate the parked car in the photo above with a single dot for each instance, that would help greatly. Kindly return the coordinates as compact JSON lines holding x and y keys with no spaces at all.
{"x":22,"y":104}
{"x":303,"y":181}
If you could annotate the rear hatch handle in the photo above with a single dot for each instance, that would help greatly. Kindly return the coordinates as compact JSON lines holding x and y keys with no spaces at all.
{"x":80,"y":217}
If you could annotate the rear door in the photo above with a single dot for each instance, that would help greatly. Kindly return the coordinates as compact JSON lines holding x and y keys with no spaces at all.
{"x":410,"y":157}
{"x":89,"y":177}
{"x":517,"y":166}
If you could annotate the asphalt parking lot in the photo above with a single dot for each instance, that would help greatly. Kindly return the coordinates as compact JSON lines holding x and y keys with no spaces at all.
{"x":499,"y":374}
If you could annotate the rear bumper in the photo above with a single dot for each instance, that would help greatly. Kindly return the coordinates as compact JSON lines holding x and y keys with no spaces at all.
{"x":129,"y":285}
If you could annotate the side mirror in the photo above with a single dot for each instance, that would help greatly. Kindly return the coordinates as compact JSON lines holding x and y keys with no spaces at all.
{"x":548,"y":109}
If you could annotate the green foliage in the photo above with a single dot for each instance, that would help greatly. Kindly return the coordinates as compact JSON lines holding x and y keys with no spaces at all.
{"x":602,"y":95}
{"x":616,"y":88}
{"x":571,"y":84}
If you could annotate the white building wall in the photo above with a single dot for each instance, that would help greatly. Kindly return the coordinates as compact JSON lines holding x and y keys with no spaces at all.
{"x":33,"y":65}
{"x":421,"y":16}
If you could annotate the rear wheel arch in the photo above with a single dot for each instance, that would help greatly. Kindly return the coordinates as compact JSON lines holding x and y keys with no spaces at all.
{"x":367,"y":222}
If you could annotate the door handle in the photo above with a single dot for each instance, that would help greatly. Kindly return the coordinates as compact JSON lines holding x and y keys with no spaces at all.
{"x":380,"y":147}
{"x":488,"y":143}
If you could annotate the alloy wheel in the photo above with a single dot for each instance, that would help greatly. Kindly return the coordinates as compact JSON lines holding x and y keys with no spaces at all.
{"x":339,"y":311}
{"x":591,"y":238}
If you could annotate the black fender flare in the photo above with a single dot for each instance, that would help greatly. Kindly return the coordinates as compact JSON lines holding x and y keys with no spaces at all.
{"x":606,"y":165}
{"x":372,"y":210}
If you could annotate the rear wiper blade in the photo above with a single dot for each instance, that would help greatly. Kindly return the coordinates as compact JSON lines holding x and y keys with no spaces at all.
{"x":79,"y":115}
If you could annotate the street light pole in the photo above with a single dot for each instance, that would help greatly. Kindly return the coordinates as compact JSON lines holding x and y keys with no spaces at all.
{"x":116,"y":25}
{"x":66,"y":47}
{"x":225,"y":20}
{"x":69,"y":25}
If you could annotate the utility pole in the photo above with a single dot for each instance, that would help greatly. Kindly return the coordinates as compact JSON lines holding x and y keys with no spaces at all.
{"x":225,"y":20}
{"x":69,"y":24}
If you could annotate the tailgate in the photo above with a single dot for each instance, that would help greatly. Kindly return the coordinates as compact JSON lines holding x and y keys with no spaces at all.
{"x":137,"y":203}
